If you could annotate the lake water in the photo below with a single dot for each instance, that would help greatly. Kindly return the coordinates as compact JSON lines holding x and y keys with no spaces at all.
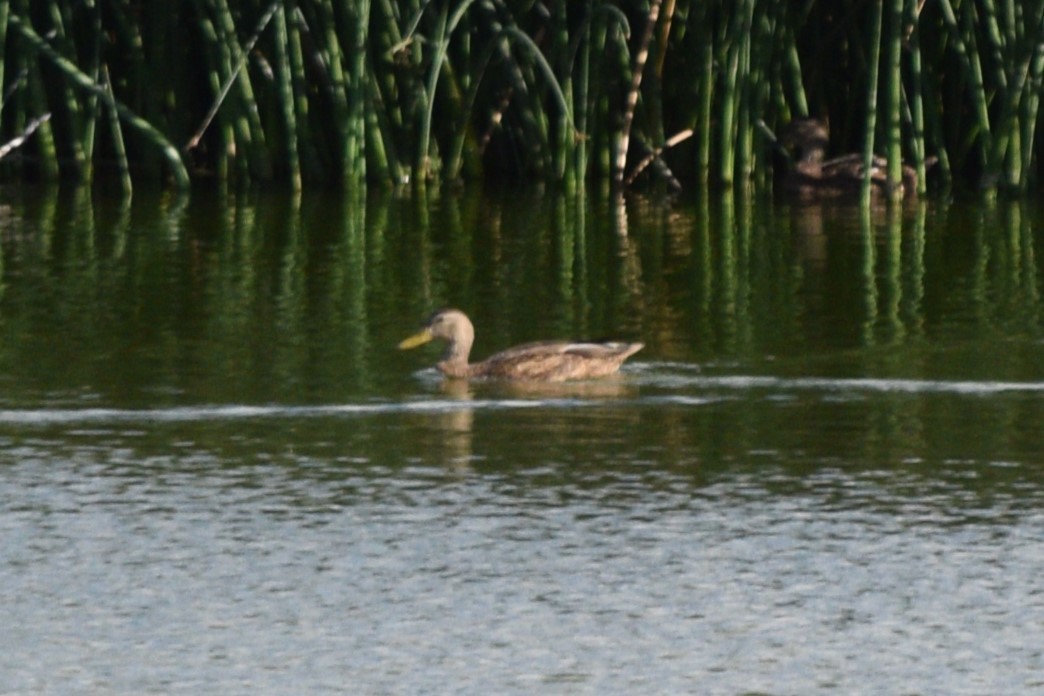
{"x":824,"y":473}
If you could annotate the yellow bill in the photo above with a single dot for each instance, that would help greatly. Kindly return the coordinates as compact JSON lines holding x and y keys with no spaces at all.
{"x":417,"y":339}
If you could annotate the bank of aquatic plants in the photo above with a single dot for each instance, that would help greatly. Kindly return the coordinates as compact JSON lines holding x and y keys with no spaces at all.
{"x":678,"y":92}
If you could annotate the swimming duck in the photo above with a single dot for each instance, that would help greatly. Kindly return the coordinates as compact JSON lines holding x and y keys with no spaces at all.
{"x":543,"y":361}
{"x":813,"y":176}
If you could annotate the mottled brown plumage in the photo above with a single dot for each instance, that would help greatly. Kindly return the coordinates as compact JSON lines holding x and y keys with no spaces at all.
{"x":544,"y":361}
{"x":815,"y":177}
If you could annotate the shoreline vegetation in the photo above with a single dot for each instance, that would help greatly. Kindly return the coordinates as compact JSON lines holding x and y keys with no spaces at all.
{"x":674,"y":93}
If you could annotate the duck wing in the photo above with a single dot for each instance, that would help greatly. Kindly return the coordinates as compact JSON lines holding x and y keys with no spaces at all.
{"x":557,"y":361}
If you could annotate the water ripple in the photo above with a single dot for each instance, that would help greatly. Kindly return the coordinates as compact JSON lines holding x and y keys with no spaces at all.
{"x":685,"y":389}
{"x":682,"y":376}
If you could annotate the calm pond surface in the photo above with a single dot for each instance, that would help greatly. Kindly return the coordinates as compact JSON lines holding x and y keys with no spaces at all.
{"x":824,"y":473}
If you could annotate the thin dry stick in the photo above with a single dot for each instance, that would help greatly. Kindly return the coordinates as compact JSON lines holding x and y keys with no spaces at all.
{"x":679,"y":137}
{"x":632,"y":95}
{"x":269,"y":13}
{"x":16,"y":143}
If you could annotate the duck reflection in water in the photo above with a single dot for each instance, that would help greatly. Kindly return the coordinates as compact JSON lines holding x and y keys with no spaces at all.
{"x":543,"y":361}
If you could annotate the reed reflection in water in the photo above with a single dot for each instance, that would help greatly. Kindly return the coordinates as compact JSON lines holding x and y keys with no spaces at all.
{"x":216,"y":473}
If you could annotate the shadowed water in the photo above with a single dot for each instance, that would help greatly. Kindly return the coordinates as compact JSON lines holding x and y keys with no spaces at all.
{"x":823,"y":473}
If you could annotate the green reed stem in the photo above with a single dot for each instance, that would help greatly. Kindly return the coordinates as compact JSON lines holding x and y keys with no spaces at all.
{"x":284,"y":84}
{"x":94,"y":64}
{"x":916,"y":97}
{"x":757,"y":27}
{"x":84,"y":83}
{"x":582,"y":94}
{"x":74,"y":112}
{"x":382,"y":161}
{"x":590,"y":43}
{"x":117,"y":136}
{"x":455,"y":154}
{"x":127,"y":39}
{"x":517,"y":37}
{"x":333,"y":62}
{"x":533,"y":123}
{"x":1030,"y":104}
{"x":385,"y":89}
{"x":562,"y":164}
{"x":223,"y":37}
{"x":441,"y":43}
{"x":1031,"y":110}
{"x":874,"y":62}
{"x":48,"y":149}
{"x":355,"y":141}
{"x":310,"y":161}
{"x":228,"y":123}
{"x":792,"y":68}
{"x":732,"y":101}
{"x":445,"y":26}
{"x":893,"y":145}
{"x":994,"y":41}
{"x":705,"y":101}
{"x":235,"y":58}
{"x":981,"y":94}
{"x":5,"y":11}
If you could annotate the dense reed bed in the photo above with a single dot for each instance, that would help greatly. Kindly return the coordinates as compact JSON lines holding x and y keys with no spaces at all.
{"x":673,"y":92}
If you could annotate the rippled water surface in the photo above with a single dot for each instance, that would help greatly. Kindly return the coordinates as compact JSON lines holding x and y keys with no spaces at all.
{"x":822,"y":474}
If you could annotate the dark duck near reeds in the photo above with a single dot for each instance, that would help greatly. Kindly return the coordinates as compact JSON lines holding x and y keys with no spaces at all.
{"x":813,"y":177}
{"x":543,"y":361}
